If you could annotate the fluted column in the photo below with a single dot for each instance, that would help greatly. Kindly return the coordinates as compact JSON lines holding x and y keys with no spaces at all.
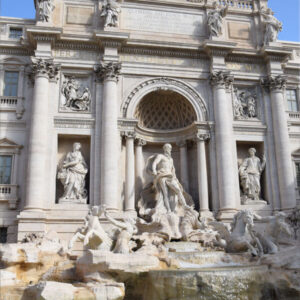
{"x":276,"y":86}
{"x":37,"y":179}
{"x":224,"y":143}
{"x":130,"y":176}
{"x":184,"y":177}
{"x":110,"y":136}
{"x":202,"y":174}
{"x":139,"y":166}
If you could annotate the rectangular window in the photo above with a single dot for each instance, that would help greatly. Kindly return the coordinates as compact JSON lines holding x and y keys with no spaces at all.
{"x":11,"y":83}
{"x":5,"y":169}
{"x":291,"y":97}
{"x":3,"y":235}
{"x":15,"y":33}
{"x":298,"y":174}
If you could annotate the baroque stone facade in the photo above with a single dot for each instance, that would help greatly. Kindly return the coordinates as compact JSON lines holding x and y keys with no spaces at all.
{"x":123,"y":78}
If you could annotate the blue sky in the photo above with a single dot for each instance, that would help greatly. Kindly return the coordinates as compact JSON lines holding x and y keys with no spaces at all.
{"x":287,"y":11}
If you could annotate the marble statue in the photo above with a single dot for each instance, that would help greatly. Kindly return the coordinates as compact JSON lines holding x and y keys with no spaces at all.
{"x":250,"y":173}
{"x":92,"y":233}
{"x":294,"y":220}
{"x":111,"y":12}
{"x":215,"y":19}
{"x":75,"y":100}
{"x":237,"y":239}
{"x":275,"y":226}
{"x":72,"y":175}
{"x":165,"y":179}
{"x":44,"y":9}
{"x":272,"y":26}
{"x":244,"y":106}
{"x":127,"y":230}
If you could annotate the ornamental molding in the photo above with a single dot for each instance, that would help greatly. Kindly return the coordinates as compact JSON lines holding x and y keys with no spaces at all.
{"x":128,"y":134}
{"x":74,"y":123}
{"x":76,"y":46}
{"x":140,"y":142}
{"x":274,"y":83}
{"x":202,"y":137}
{"x":221,"y":79}
{"x":108,"y":71}
{"x":244,"y":59}
{"x":15,"y":51}
{"x":132,"y":100}
{"x":44,"y":67}
{"x":169,"y":53}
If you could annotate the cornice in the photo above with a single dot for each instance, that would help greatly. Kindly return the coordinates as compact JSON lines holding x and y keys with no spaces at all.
{"x":16,"y":51}
{"x":218,"y":47}
{"x":63,"y":122}
{"x":76,"y":45}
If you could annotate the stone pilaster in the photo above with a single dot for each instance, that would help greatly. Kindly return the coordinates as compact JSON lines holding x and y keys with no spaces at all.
{"x":202,"y":174}
{"x":108,"y":73}
{"x":276,"y":86}
{"x":130,"y":174}
{"x":220,"y":81}
{"x":139,"y":166}
{"x":184,"y":177}
{"x":38,"y":148}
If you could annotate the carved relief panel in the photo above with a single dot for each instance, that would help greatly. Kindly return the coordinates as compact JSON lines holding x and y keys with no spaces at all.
{"x":75,"y":94}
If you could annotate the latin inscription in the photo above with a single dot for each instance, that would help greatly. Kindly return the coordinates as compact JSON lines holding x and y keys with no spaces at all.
{"x":162,"y":21}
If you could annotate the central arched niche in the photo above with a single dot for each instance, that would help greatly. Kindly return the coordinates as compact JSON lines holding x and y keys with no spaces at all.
{"x":164,"y":110}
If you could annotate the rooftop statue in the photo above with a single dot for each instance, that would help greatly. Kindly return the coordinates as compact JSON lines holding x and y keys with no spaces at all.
{"x":111,"y":11}
{"x":215,"y":19}
{"x":272,"y":26}
{"x":72,"y":175}
{"x":44,"y":9}
{"x":250,"y":173}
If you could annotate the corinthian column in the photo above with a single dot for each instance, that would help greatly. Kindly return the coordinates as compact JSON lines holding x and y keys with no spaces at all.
{"x":184,"y":178}
{"x":139,"y":166}
{"x":224,"y":143}
{"x":110,"y":137}
{"x":276,"y":86}
{"x":202,"y":174}
{"x":130,"y":180}
{"x":36,"y":187}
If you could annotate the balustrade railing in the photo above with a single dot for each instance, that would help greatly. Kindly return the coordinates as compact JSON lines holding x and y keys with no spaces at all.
{"x":241,"y":4}
{"x":14,"y":104}
{"x":9,"y":193}
{"x":295,"y":115}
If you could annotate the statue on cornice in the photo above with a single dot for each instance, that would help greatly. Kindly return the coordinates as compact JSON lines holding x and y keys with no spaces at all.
{"x":272,"y":26}
{"x":72,"y":175}
{"x":111,"y":11}
{"x":44,"y":9}
{"x":215,"y":19}
{"x":250,"y":173}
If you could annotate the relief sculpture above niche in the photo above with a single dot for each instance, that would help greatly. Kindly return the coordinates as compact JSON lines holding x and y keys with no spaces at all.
{"x":76,"y":96}
{"x":245,"y":104}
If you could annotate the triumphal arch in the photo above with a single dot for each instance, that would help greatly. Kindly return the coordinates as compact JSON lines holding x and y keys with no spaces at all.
{"x":91,"y":90}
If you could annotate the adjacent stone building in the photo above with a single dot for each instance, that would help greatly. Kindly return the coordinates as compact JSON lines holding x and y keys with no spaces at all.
{"x":90,"y":89}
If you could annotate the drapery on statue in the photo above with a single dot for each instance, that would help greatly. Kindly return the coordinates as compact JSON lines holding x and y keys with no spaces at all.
{"x":272,"y":26}
{"x":72,"y":175}
{"x":74,"y":99}
{"x":215,"y":19}
{"x":111,"y":11}
{"x":44,"y":9}
{"x":244,"y":106}
{"x":250,"y":173}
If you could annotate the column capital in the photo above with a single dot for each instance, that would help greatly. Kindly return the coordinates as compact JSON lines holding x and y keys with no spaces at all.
{"x":44,"y":67}
{"x":274,"y":83}
{"x":181,"y":143}
{"x":128,"y":134}
{"x":108,"y":71}
{"x":221,"y":79}
{"x":140,"y":142}
{"x":202,"y":137}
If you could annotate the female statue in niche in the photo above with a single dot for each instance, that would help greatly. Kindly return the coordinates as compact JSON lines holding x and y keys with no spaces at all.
{"x":250,"y":173}
{"x":72,"y":175}
{"x":215,"y":19}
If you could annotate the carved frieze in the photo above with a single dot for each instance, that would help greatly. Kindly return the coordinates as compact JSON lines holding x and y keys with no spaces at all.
{"x":108,"y":71}
{"x":244,"y":104}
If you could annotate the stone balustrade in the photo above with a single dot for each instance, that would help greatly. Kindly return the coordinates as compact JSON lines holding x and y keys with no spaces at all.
{"x":294,"y":115}
{"x":9,"y":193}
{"x":14,"y":104}
{"x":240,"y":4}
